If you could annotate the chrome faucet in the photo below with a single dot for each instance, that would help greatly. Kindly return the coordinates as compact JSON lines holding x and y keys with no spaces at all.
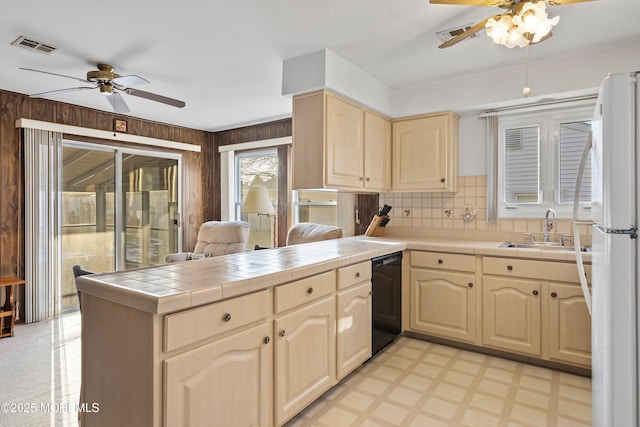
{"x":548,"y":227}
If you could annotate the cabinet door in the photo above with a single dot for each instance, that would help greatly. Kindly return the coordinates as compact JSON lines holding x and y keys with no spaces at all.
{"x":444,"y":304}
{"x":377,"y":152}
{"x":354,"y":328}
{"x":511,"y":314}
{"x":305,"y":356}
{"x":344,"y":142}
{"x":421,"y":155}
{"x":569,"y":325}
{"x":229,"y":381}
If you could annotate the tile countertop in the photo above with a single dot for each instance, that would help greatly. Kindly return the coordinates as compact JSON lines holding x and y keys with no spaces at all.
{"x":181,"y":285}
{"x":475,"y":247}
{"x":178,"y":286}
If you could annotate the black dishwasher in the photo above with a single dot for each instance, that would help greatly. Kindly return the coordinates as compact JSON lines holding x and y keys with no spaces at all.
{"x":387,"y":300}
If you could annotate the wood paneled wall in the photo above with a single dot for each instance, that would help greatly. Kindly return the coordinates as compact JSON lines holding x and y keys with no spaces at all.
{"x":15,"y":106}
{"x":275,"y":129}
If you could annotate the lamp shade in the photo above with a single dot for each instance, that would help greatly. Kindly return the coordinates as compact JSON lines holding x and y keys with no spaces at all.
{"x":257,"y":201}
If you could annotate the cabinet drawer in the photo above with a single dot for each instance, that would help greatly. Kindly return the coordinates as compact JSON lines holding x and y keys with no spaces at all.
{"x":353,"y":274}
{"x":190,"y":326}
{"x":443,"y":261}
{"x":533,"y":269}
{"x":303,"y":291}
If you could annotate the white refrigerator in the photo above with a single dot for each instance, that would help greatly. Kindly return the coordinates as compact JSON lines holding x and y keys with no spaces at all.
{"x":615,"y":292}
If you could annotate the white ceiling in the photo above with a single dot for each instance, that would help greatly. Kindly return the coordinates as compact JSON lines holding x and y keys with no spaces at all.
{"x":224,"y":57}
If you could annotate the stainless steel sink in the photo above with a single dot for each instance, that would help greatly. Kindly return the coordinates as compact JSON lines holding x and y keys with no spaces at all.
{"x":540,"y":245}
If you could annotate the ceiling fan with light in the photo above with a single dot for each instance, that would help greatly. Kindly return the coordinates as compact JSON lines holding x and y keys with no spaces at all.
{"x":524,"y":22}
{"x":111,"y":84}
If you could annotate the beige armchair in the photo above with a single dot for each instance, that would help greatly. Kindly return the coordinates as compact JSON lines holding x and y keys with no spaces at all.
{"x":216,"y":238}
{"x":306,"y":232}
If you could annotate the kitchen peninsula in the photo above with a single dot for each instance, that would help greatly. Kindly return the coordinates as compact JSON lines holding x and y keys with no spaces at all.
{"x":173,"y":344}
{"x":253,"y":338}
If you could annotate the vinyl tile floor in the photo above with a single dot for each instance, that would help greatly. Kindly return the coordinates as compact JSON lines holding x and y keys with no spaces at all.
{"x":414,"y":383}
{"x":411,"y":383}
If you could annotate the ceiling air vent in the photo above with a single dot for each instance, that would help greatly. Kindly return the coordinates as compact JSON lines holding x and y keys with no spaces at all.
{"x":447,"y":35}
{"x":34,"y":45}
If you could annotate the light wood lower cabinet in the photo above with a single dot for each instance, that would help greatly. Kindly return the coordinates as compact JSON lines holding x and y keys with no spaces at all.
{"x":305,"y":356}
{"x":444,"y":304}
{"x":569,"y":325}
{"x":227,"y":382}
{"x":353,"y":345}
{"x":511,"y":314}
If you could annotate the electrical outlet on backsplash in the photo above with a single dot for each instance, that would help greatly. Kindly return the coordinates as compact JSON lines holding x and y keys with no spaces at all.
{"x":443,"y":215}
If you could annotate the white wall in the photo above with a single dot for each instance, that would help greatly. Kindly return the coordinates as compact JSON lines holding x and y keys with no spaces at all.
{"x":471,"y":145}
{"x":560,"y":78}
{"x":325,"y":69}
{"x":555,"y":78}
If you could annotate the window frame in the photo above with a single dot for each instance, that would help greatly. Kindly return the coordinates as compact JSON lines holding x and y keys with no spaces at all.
{"x":549,"y":122}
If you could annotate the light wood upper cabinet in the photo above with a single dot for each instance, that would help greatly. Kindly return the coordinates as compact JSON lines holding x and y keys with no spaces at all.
{"x":339,"y":144}
{"x":377,"y":152}
{"x":344,"y":144}
{"x":425,"y":153}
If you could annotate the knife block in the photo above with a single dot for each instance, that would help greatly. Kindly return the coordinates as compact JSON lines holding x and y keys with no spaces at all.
{"x":374,"y":229}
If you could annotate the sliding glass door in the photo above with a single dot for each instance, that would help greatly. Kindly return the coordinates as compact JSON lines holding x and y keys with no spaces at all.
{"x":119,"y":210}
{"x":150,"y":207}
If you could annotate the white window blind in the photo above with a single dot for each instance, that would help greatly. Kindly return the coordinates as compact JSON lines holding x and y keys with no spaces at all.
{"x":522,"y":155}
{"x":572,"y":139}
{"x":539,"y":155}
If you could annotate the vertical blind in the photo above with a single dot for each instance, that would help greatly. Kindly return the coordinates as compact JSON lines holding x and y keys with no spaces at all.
{"x":43,"y":156}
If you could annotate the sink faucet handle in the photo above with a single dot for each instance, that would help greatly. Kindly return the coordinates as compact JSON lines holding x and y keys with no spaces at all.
{"x":563,"y":238}
{"x":531,"y":238}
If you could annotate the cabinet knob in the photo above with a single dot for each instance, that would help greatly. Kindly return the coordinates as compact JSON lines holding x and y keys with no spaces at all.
{"x":281,"y":333}
{"x":310,"y":291}
{"x":535,"y":293}
{"x":509,"y":267}
{"x":554,"y":295}
{"x":441,"y":179}
{"x":361,"y":178}
{"x":266,"y":340}
{"x":357,"y":275}
{"x":440,"y":261}
{"x":368,"y":179}
{"x":227,"y":317}
{"x":470,"y":285}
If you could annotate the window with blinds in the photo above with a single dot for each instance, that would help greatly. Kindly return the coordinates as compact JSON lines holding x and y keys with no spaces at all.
{"x":522,"y":174}
{"x":538,"y":161}
{"x":572,"y":139}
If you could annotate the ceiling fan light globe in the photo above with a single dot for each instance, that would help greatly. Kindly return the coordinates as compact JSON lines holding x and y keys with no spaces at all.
{"x":498,"y":30}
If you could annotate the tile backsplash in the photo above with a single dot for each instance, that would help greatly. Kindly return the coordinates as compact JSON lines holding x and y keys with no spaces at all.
{"x":441,"y":215}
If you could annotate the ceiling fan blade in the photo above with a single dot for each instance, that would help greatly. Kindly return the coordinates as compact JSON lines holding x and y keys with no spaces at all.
{"x":499,"y":3}
{"x":71,"y":89}
{"x":55,"y":74}
{"x":155,"y":97}
{"x":117,"y":103}
{"x":130,"y":80}
{"x":471,"y":31}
